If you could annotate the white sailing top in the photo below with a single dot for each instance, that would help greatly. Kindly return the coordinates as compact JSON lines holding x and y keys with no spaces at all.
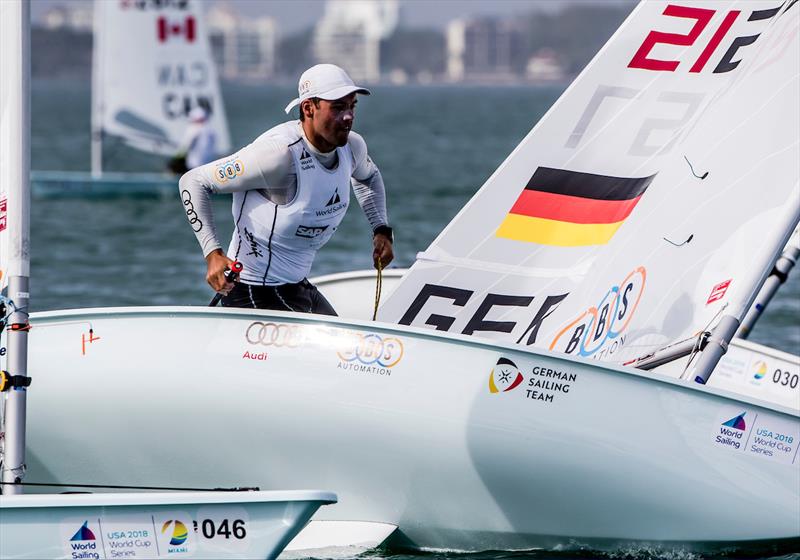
{"x":200,"y":144}
{"x":289,"y":198}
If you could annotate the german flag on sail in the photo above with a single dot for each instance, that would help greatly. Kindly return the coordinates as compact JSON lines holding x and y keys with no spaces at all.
{"x":571,"y":209}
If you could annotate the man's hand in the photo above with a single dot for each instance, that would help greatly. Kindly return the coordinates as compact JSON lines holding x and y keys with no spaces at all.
{"x":218,"y":263}
{"x":381,"y":250}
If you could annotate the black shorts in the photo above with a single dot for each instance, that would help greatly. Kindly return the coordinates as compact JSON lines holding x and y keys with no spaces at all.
{"x":302,"y":296}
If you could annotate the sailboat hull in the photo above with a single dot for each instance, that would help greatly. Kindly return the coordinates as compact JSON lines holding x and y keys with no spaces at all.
{"x":461,"y":443}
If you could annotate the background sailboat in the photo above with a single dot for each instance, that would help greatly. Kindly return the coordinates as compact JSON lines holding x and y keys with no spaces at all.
{"x":151,"y":66}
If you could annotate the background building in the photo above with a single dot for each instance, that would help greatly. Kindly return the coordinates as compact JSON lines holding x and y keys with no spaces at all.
{"x":350,"y":33}
{"x":243,"y":49}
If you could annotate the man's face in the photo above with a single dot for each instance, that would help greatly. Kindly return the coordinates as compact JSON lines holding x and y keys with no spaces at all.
{"x":332,"y":120}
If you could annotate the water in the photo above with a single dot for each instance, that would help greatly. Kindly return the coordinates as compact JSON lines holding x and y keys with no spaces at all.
{"x":435,"y":147}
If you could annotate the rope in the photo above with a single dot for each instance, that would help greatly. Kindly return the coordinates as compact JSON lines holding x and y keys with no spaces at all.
{"x":378,"y":286}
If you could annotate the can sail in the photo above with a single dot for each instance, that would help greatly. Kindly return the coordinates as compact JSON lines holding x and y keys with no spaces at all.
{"x":652,"y":198}
{"x":152,"y":66}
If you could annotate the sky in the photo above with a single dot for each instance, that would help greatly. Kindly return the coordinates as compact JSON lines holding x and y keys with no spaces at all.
{"x":294,"y":15}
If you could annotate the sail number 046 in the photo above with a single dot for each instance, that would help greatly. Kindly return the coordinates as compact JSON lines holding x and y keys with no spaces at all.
{"x":226,"y":528}
{"x":786,"y":378}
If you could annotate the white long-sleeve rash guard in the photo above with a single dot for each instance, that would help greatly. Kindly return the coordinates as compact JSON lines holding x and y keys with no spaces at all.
{"x":267,"y":165}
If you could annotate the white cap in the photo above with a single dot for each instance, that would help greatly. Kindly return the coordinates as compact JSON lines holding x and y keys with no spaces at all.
{"x":326,"y":81}
{"x":198,"y":114}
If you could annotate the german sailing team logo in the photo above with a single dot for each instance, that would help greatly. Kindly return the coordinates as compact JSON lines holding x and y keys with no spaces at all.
{"x":84,"y":533}
{"x":737,"y":422}
{"x":571,"y":209}
{"x":504,"y":377}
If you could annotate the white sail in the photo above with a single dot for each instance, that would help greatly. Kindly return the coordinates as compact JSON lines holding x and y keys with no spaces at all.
{"x":650,"y":200}
{"x":152,"y":66}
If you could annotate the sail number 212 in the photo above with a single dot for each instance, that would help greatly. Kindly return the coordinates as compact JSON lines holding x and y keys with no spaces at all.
{"x":702,"y":17}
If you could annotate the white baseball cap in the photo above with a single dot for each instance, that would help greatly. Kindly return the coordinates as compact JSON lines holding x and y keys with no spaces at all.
{"x":326,"y":81}
{"x":198,"y":114}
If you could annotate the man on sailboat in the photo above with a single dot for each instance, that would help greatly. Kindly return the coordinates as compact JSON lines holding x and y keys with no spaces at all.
{"x":290,"y":192}
{"x":198,"y":145}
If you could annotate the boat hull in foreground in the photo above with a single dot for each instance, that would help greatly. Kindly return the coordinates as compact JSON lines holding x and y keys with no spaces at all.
{"x":149,"y":525}
{"x":461,"y":443}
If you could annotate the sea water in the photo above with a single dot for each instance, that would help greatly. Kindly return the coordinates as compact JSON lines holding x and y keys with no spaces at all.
{"x":435,"y":147}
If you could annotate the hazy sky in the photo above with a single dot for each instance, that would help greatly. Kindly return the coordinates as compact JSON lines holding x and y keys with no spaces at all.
{"x":292,"y":15}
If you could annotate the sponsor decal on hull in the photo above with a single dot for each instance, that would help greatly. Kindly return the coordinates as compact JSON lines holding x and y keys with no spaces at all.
{"x":539,"y":382}
{"x":757,"y":433}
{"x":357,"y":352}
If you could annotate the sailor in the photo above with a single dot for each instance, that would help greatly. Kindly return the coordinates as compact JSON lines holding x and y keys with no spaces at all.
{"x":291,"y":189}
{"x":198,"y":145}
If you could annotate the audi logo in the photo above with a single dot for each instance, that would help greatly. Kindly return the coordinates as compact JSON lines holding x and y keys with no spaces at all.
{"x":274,"y":334}
{"x":373,"y":349}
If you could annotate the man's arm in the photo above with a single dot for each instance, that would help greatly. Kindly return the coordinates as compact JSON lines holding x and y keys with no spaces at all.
{"x":371,"y":195}
{"x":259,"y":165}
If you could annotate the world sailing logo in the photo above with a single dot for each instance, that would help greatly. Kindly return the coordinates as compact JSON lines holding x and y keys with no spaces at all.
{"x":84,"y":533}
{"x":83,"y":543}
{"x":599,"y":331}
{"x":737,"y":422}
{"x":571,"y":209}
{"x":504,"y":376}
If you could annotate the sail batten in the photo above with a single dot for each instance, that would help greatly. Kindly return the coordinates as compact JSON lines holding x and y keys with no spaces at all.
{"x":666,"y":174}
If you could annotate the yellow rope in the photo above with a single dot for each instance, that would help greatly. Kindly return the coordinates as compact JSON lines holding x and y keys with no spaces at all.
{"x":378,"y":285}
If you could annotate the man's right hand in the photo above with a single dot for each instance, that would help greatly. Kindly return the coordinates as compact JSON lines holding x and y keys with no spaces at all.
{"x":218,"y":264}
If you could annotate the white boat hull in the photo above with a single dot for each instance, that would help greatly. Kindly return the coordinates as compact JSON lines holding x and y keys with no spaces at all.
{"x":149,"y":525}
{"x":402,"y":423}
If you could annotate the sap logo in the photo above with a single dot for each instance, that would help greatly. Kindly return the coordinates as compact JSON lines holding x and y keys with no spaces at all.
{"x":310,"y":232}
{"x":590,"y":331}
{"x":430,"y":294}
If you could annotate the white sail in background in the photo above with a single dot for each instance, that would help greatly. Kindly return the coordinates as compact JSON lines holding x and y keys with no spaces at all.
{"x":152,"y":66}
{"x":651,"y":199}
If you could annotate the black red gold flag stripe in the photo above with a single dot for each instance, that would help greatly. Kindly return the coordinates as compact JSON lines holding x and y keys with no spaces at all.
{"x":570,"y":208}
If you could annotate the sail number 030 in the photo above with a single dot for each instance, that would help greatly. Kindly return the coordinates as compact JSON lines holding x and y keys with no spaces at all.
{"x":786,"y":378}
{"x":226,"y":528}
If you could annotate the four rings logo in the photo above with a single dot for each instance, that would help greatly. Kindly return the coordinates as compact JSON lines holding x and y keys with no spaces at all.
{"x":191,"y":215}
{"x":274,"y":334}
{"x":229,"y":170}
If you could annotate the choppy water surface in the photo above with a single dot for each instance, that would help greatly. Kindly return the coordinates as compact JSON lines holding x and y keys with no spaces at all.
{"x":435,"y":147}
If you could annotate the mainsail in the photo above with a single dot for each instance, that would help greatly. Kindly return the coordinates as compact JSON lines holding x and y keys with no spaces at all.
{"x":152,"y":66}
{"x":648,"y":202}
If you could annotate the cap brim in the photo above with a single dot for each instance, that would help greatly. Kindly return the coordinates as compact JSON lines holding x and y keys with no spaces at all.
{"x":343,"y":91}
{"x":337,"y":93}
{"x":292,"y":105}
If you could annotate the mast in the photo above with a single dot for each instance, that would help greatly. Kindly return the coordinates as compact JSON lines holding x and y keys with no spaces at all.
{"x":96,"y":132}
{"x":15,"y":174}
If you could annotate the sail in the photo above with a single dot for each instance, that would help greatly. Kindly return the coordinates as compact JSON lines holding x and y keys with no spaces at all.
{"x":649,"y":201}
{"x":152,"y":66}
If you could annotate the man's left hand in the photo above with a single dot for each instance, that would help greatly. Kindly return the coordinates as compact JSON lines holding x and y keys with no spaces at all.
{"x":381,"y":250}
